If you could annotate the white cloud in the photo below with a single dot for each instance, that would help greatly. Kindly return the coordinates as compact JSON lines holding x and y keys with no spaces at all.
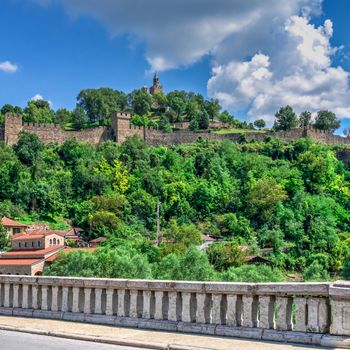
{"x":305,"y":79}
{"x":39,"y":97}
{"x":265,"y":54}
{"x":8,"y":67}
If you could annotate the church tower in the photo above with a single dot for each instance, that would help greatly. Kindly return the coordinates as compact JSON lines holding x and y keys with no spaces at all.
{"x":156,"y":88}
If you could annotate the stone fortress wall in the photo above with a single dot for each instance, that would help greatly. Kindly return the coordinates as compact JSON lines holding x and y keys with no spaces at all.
{"x":121,"y":129}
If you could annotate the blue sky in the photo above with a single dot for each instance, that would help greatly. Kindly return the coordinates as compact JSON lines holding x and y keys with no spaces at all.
{"x":251,"y":58}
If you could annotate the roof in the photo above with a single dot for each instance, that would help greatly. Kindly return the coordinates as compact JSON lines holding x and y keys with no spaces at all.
{"x":19,"y":261}
{"x":11,"y":223}
{"x":51,"y":258}
{"x":38,"y":234}
{"x":49,"y":232}
{"x":98,"y":240}
{"x":30,"y":254}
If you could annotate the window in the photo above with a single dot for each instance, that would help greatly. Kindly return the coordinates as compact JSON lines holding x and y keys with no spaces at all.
{"x":39,"y":243}
{"x":32,"y":244}
{"x":16,"y":230}
{"x":50,"y":241}
{"x":25,"y":244}
{"x":19,"y":244}
{"x":54,"y":241}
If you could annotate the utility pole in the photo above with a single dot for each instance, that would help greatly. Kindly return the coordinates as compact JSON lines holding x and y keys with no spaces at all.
{"x":158,"y":223}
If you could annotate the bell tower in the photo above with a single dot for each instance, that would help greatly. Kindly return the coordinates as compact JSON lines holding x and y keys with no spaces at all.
{"x":156,"y":88}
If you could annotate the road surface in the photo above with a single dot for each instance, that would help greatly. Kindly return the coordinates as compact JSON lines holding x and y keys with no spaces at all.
{"x":26,"y":341}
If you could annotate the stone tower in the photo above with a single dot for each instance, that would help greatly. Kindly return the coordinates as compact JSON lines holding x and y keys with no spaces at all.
{"x":13,"y":126}
{"x":156,"y":88}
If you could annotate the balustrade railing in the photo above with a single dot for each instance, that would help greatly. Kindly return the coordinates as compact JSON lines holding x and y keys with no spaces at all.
{"x":296,"y":312}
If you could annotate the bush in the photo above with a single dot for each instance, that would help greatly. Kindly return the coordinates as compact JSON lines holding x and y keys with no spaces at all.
{"x":252,"y":273}
{"x":346,"y":270}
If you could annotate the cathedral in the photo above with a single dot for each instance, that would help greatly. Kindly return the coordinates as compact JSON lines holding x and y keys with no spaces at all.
{"x":156,"y":88}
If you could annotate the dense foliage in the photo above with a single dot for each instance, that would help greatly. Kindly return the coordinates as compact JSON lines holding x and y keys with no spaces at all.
{"x":288,"y":201}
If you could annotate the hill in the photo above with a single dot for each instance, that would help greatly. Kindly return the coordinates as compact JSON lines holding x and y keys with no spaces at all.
{"x":284,"y":202}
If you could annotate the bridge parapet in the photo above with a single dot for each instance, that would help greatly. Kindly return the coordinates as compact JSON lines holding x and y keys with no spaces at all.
{"x":313,"y":313}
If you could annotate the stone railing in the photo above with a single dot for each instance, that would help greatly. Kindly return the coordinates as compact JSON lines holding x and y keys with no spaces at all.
{"x":312,"y":313}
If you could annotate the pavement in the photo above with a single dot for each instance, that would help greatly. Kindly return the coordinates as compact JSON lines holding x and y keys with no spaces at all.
{"x":10,"y":341}
{"x":47,"y":331}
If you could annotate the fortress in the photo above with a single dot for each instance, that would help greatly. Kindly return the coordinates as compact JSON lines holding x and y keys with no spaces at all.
{"x":121,"y":129}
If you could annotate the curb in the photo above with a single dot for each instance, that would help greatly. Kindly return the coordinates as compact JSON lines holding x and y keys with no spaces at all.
{"x":102,"y":340}
{"x":94,"y":339}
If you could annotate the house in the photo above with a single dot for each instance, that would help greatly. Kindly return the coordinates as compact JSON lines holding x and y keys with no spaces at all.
{"x":13,"y":227}
{"x":97,"y":242}
{"x":29,"y":253}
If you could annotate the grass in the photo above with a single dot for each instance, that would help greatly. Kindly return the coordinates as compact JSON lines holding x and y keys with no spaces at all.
{"x":236,"y":131}
{"x":58,"y":223}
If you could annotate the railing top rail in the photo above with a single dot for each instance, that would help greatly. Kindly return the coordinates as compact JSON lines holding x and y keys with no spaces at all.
{"x":287,"y":288}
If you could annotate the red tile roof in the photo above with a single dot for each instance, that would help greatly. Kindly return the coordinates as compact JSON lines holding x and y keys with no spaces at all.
{"x":21,"y":236}
{"x":31,"y":254}
{"x":98,"y":240}
{"x":19,"y":261}
{"x":51,"y":258}
{"x":11,"y":223}
{"x":49,"y":232}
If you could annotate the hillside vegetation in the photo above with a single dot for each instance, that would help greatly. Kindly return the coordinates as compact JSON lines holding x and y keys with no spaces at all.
{"x":288,"y":201}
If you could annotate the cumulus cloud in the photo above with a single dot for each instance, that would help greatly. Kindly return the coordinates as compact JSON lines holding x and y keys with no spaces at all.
{"x":305,"y":79}
{"x":8,"y":67}
{"x":38,"y":97}
{"x":264,"y":54}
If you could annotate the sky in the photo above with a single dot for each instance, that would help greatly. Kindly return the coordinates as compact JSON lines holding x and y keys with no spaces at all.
{"x":254,"y":56}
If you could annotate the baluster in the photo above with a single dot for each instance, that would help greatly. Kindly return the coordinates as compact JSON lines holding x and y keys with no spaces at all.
{"x":98,"y":301}
{"x":300,"y":314}
{"x":35,"y":297}
{"x":54,"y":298}
{"x":44,"y":298}
{"x":25,"y":289}
{"x":231,"y":313}
{"x":323,"y":316}
{"x":216,"y":309}
{"x":6,"y":295}
{"x":158,"y":313}
{"x":284,"y":313}
{"x":121,"y":302}
{"x":64,"y":307}
{"x":146,"y":310}
{"x":75,"y":300}
{"x":267,"y":311}
{"x":186,"y":307}
{"x":201,"y":306}
{"x":250,"y":311}
{"x":172,"y":312}
{"x":133,"y":303}
{"x":15,"y":298}
{"x":109,"y":302}
{"x":87,"y":301}
{"x":1,"y":293}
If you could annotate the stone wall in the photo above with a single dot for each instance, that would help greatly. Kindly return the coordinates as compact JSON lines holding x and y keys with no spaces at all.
{"x":121,"y":129}
{"x":312,"y":313}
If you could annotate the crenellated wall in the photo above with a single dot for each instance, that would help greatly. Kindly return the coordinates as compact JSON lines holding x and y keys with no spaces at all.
{"x":311,"y":313}
{"x":121,"y":129}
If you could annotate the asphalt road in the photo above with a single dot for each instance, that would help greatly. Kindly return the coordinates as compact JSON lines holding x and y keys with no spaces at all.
{"x":26,"y":341}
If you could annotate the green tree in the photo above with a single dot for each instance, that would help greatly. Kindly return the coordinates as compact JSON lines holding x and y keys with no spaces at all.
{"x":285,"y":119}
{"x":100,"y":104}
{"x":28,"y":148}
{"x":326,"y":120}
{"x":346,"y":270}
{"x":79,"y":118}
{"x":38,"y":112}
{"x":4,"y":239}
{"x":305,"y":119}
{"x":141,"y":101}
{"x":260,"y":123}
{"x":252,"y":273}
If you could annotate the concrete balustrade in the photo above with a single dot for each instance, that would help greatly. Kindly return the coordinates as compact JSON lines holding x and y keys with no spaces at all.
{"x":313,"y":313}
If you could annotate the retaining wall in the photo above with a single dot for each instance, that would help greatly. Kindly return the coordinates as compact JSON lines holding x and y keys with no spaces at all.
{"x":311,"y":313}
